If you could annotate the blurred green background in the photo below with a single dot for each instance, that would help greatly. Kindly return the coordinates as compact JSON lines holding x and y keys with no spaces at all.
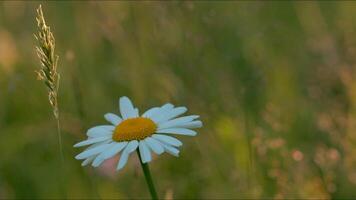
{"x":274,"y":83}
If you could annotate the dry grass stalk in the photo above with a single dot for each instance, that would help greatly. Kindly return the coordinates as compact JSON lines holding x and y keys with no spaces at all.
{"x":45,"y":51}
{"x":48,"y":71}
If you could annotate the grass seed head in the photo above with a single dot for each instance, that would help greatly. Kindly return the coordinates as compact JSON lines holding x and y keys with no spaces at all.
{"x":45,"y":50}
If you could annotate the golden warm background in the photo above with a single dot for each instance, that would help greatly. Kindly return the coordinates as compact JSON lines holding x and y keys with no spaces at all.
{"x":274,"y":83}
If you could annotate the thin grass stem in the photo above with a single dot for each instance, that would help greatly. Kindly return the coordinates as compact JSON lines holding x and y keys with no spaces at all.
{"x":59,"y":134}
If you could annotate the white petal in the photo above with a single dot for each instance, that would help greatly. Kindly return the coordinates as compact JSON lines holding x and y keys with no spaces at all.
{"x":92,"y":141}
{"x":131,"y":146}
{"x":99,"y":159}
{"x":154,"y":145}
{"x":178,"y":131}
{"x":151,"y":112}
{"x":91,"y":158}
{"x":161,"y":111}
{"x":92,"y":151}
{"x":194,"y":124}
{"x":88,"y":160}
{"x":171,"y":150}
{"x":177,"y":121}
{"x":112,"y":118}
{"x":109,"y":152}
{"x":126,"y":108}
{"x":99,"y":131}
{"x":112,"y":151}
{"x":98,"y":144}
{"x":168,"y":140}
{"x":144,"y":152}
{"x":171,"y":114}
{"x":167,"y":106}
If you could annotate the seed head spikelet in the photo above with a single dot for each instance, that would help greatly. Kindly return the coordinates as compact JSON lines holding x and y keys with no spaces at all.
{"x":45,"y":52}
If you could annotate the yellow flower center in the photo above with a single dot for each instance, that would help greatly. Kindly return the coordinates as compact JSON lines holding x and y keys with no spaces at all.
{"x":134,"y":129}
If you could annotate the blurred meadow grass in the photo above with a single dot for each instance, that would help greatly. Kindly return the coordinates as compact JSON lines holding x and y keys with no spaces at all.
{"x":274,"y":83}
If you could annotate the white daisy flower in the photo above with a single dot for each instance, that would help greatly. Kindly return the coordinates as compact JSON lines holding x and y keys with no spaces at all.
{"x":149,"y":132}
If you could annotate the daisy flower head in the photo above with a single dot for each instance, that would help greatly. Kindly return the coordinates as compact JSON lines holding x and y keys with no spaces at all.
{"x":148,"y":132}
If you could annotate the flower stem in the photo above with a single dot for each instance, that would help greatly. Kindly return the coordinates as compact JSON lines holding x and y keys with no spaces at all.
{"x":146,"y":171}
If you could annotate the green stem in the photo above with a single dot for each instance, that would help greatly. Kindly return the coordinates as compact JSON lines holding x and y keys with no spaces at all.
{"x":62,"y":178}
{"x":146,"y":171}
{"x":59,"y":134}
